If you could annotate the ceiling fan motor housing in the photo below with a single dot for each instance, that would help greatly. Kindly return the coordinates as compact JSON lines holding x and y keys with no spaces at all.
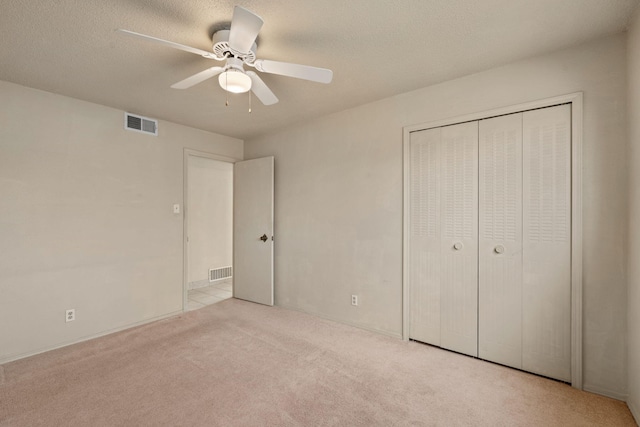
{"x":222,"y":50}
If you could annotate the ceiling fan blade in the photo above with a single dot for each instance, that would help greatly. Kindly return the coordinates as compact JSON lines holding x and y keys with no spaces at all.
{"x":170,"y":44}
{"x":314,"y":74}
{"x":245,"y":26}
{"x":261,"y":90}
{"x":197,"y":78}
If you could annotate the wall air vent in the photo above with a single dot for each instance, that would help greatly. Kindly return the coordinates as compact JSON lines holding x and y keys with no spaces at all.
{"x":220,"y":273}
{"x":140,"y":124}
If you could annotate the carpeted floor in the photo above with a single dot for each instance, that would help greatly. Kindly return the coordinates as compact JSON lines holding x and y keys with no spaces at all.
{"x":241,"y":364}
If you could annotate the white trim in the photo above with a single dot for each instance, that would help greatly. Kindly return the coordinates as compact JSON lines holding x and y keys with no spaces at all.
{"x":576,"y":241}
{"x":605,"y":392}
{"x":548,"y":102}
{"x":406,"y":209}
{"x":576,"y":100}
{"x":185,"y":192}
{"x":13,"y":357}
{"x":634,"y":411}
{"x":196,"y":153}
{"x":341,"y":321}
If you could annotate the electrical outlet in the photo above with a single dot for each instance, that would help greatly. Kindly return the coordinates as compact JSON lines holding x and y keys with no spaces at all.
{"x":354,"y":299}
{"x":70,"y":315}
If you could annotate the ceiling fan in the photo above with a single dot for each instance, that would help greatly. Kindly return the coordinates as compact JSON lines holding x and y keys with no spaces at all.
{"x":238,"y":47}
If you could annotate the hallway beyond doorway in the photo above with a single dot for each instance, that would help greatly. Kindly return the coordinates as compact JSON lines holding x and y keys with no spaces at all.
{"x":216,"y":292}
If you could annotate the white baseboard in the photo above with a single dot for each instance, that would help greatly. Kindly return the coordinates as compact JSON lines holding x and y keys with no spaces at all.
{"x":206,"y":283}
{"x":14,"y":357}
{"x":605,"y":392}
{"x":634,"y":411}
{"x":345,"y":322}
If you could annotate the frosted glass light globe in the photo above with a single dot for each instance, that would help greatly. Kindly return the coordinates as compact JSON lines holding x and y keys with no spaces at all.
{"x":234,"y":81}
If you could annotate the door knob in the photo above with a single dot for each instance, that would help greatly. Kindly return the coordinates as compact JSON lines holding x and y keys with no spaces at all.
{"x":457,"y":246}
{"x":264,"y":238}
{"x":499,"y":249}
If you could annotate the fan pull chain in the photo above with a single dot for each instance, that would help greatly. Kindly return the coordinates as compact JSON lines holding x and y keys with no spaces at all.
{"x":226,"y":91}
{"x":249,"y":102}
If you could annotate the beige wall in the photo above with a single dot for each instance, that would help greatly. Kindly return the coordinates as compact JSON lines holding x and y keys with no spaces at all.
{"x":634,"y":217}
{"x":210,"y":216}
{"x":339,"y":196}
{"x":86,"y":219}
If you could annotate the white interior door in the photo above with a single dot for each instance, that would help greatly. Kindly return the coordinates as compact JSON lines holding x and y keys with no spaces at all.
{"x":500,"y":240}
{"x":253,"y":230}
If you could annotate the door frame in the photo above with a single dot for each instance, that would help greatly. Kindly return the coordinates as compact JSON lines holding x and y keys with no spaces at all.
{"x":576,"y":101}
{"x":185,"y":217}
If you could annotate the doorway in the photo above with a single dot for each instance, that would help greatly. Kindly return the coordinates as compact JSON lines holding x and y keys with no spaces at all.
{"x":208,"y":228}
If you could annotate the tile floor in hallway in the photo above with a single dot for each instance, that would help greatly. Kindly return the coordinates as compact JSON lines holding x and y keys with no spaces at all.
{"x":216,"y":292}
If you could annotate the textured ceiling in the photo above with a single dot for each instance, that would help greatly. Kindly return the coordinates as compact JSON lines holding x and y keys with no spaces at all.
{"x":376,"y":49}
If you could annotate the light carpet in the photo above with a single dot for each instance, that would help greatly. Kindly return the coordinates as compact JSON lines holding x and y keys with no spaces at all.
{"x":241,"y":364}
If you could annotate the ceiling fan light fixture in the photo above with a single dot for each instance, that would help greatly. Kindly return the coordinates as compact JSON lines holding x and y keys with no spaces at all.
{"x":234,"y":81}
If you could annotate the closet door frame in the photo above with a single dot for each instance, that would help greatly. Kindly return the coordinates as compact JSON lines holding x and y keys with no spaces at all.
{"x":575,"y":99}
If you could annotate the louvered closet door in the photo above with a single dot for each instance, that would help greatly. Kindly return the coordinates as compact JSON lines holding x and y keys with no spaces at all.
{"x":443,"y":226}
{"x":546,"y":322}
{"x":459,"y":238}
{"x":490,"y":239}
{"x":425,"y":227}
{"x":500,"y":240}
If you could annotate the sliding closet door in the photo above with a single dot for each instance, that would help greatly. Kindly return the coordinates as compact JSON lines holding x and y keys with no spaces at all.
{"x":500,"y":240}
{"x":459,"y":238}
{"x":546,"y":323}
{"x":443,"y":257}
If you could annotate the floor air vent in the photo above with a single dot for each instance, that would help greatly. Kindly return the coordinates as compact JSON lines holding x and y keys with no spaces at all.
{"x":220,"y":273}
{"x":140,"y":124}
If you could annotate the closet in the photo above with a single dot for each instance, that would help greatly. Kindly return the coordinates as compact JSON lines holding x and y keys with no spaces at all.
{"x":489,"y":262}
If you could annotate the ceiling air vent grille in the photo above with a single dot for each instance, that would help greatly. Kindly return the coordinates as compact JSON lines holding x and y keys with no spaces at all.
{"x":140,"y":124}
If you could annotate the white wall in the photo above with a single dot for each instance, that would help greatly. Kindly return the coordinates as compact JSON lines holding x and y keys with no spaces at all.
{"x":86,"y":219}
{"x":210,"y":216}
{"x":339,"y":196}
{"x":633,"y":300}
